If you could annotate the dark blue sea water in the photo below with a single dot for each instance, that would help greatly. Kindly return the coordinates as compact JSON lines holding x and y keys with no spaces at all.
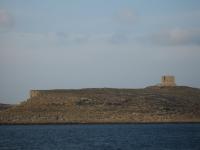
{"x":101,"y":137}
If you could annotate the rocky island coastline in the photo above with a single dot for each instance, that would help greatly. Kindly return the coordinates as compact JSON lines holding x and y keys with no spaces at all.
{"x":107,"y":105}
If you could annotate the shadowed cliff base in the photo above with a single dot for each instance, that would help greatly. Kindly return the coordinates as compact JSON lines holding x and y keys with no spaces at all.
{"x":107,"y":105}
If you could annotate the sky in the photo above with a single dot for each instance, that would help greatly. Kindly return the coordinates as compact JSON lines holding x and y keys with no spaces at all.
{"x":70,"y":44}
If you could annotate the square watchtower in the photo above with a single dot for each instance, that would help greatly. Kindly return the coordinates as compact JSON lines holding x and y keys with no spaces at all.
{"x":168,"y":80}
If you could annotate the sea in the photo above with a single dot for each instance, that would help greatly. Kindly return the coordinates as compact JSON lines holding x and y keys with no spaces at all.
{"x":100,"y":137}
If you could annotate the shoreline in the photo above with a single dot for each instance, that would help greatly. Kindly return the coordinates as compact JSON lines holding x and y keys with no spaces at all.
{"x":99,"y":123}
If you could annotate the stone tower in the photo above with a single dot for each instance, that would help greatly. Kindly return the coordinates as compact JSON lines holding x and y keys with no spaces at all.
{"x":168,"y":81}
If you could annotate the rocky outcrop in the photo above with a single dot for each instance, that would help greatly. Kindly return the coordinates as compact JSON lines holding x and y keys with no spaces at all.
{"x":152,"y":104}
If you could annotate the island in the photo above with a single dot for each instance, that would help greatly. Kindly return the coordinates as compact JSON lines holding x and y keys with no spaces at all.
{"x":163,"y":103}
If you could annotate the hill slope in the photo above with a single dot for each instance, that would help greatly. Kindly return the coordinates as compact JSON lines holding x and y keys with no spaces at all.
{"x":152,"y":104}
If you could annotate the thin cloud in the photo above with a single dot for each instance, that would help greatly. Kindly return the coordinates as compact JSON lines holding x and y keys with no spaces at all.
{"x":176,"y":37}
{"x":119,"y":39}
{"x":126,"y":16}
{"x":6,"y":20}
{"x":41,"y":40}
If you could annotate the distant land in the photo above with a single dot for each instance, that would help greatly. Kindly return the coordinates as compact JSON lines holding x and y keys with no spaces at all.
{"x":155,"y":104}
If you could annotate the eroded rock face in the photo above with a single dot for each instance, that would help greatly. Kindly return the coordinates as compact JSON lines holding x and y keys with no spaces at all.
{"x":166,"y":104}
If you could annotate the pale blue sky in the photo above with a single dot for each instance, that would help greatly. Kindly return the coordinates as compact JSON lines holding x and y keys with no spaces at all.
{"x":52,"y":44}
